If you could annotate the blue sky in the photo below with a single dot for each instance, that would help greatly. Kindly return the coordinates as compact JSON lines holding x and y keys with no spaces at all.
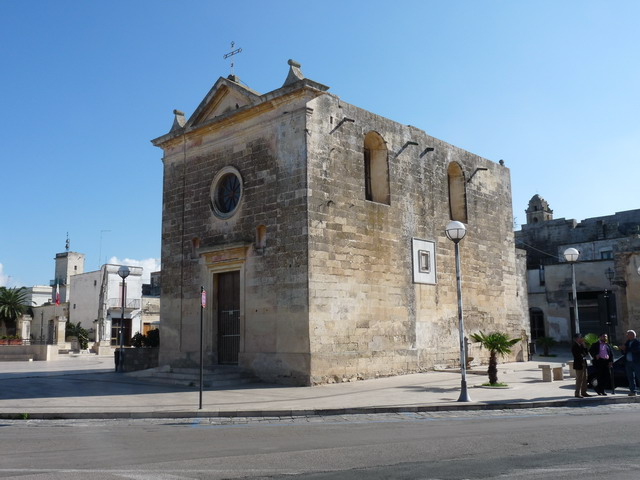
{"x":550,"y":87}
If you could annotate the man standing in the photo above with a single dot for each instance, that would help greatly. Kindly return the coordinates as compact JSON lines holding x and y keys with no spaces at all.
{"x":579,"y":351}
{"x":603,"y":360}
{"x":631,"y":351}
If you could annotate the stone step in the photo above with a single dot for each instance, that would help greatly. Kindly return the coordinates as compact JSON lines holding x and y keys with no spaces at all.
{"x":16,"y":358}
{"x":195,"y":382}
{"x":213,"y":377}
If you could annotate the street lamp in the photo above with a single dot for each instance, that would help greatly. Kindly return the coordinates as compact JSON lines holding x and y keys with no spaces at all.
{"x":609,"y":273}
{"x":571,"y":255}
{"x":123,"y":271}
{"x":455,"y":232}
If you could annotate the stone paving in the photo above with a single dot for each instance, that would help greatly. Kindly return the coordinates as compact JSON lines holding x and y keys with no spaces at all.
{"x":86,"y":387}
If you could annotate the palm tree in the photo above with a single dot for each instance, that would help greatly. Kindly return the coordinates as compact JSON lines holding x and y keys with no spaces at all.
{"x":496,"y":343}
{"x":546,"y":343}
{"x":13,"y":303}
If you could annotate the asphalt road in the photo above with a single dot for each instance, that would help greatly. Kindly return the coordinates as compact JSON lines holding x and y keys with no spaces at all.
{"x":553,"y":443}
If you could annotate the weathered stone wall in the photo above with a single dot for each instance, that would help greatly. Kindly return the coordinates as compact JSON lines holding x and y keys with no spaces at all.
{"x":269,"y":151}
{"x":329,"y":294}
{"x":367,"y":317}
{"x":140,"y":359}
{"x":605,"y":243}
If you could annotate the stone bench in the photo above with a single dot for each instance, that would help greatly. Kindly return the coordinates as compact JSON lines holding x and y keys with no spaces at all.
{"x":552,"y":372}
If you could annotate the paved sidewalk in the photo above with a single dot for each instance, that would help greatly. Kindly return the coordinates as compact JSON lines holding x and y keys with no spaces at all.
{"x":87,"y":387}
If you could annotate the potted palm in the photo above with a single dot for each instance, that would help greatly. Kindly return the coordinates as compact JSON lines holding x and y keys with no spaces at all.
{"x":496,"y":343}
{"x":546,"y":343}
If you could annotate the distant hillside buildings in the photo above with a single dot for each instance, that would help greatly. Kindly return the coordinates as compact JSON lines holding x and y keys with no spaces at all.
{"x":607,"y":275}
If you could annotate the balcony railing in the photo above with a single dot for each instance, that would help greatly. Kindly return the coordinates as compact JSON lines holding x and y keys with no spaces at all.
{"x":129,"y":303}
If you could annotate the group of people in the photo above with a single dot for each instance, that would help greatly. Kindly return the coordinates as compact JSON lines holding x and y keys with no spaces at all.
{"x":602,"y":358}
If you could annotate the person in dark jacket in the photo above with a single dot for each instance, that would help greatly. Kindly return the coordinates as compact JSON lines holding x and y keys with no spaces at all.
{"x":602,"y":355}
{"x":631,"y":350}
{"x":580,"y":352}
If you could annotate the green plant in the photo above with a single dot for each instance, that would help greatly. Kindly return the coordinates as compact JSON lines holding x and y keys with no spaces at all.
{"x":137,"y":340}
{"x":24,"y":416}
{"x":590,"y":339}
{"x":75,"y":330}
{"x":546,"y":343}
{"x":12,"y":306}
{"x":496,"y":343}
{"x":151,"y":339}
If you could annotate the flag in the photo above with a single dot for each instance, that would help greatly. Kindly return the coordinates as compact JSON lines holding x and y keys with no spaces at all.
{"x":57,"y":295}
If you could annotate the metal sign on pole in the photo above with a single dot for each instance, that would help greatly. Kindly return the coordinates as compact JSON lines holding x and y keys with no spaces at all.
{"x":203,"y":304}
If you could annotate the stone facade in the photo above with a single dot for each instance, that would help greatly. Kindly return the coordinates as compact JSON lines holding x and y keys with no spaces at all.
{"x":606,"y":272}
{"x":328,"y":203}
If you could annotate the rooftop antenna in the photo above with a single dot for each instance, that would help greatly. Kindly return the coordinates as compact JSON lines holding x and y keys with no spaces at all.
{"x":66,"y":245}
{"x":100,"y":251}
{"x":231,"y":54}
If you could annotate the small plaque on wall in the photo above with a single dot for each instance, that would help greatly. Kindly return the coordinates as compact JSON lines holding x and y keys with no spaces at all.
{"x":424,"y":261}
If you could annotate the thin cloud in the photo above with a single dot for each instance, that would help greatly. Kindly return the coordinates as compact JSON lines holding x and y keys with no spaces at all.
{"x":148,"y":265}
{"x":3,"y":278}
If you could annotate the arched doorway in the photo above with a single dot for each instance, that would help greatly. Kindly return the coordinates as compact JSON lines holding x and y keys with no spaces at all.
{"x":536,"y":321}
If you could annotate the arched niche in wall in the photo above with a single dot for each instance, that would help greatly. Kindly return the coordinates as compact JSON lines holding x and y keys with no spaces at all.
{"x":457,"y":193}
{"x":376,"y":168}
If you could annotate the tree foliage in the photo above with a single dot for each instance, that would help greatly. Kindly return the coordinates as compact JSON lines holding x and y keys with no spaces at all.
{"x":151,"y":339}
{"x":13,"y":303}
{"x":546,"y":343}
{"x":75,"y":330}
{"x":496,"y":343}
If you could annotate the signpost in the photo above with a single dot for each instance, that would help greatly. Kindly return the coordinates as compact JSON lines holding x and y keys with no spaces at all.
{"x":203,"y":304}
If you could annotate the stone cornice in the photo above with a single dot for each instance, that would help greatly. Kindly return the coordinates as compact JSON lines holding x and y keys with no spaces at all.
{"x":269,"y":101}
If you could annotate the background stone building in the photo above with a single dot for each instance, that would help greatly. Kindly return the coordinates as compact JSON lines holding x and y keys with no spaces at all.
{"x":607,"y":276}
{"x":317,"y":229}
{"x":97,"y":304}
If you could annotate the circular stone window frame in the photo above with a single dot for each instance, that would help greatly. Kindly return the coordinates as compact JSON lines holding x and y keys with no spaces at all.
{"x":214,"y":189}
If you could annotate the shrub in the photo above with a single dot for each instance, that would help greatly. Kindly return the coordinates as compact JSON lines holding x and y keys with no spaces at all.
{"x":137,"y":340}
{"x":546,"y":343}
{"x":151,"y":339}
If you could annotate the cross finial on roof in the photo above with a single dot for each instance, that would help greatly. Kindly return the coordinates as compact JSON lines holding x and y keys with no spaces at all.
{"x":231,"y":54}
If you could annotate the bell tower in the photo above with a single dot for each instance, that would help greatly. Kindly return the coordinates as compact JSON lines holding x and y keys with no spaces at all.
{"x":538,"y":210}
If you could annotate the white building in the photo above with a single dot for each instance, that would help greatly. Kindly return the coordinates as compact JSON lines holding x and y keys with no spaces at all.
{"x":38,"y":295}
{"x":97,"y":303}
{"x":93,"y":299}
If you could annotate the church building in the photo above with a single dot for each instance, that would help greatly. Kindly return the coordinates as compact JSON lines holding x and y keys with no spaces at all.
{"x":317,"y":230}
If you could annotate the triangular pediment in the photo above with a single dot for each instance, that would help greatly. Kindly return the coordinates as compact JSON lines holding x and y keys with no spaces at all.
{"x":225,"y":97}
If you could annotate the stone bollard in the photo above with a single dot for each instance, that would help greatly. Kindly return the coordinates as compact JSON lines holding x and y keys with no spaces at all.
{"x":558,"y":374}
{"x":546,"y":373}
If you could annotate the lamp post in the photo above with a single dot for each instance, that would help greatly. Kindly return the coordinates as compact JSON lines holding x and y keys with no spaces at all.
{"x":455,"y":232}
{"x":571,"y":255}
{"x":609,"y":273}
{"x":123,"y":271}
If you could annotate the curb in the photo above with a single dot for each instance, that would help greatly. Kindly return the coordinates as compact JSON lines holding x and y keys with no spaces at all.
{"x":569,"y":402}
